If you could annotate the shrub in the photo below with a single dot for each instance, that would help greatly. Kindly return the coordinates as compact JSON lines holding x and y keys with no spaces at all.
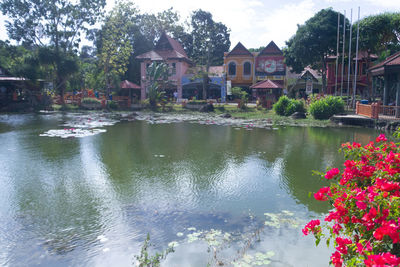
{"x":112,"y":104}
{"x":326,"y":107}
{"x":242,"y":95}
{"x":286,"y":106}
{"x":364,"y":224}
{"x":197,"y":101}
{"x":295,"y":106}
{"x":280,"y":106}
{"x":89,"y":100}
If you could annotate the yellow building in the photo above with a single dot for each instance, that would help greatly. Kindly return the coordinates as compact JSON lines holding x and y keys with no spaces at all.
{"x":244,"y":69}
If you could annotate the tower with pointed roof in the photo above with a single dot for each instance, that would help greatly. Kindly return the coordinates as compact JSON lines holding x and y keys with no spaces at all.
{"x":171,"y":52}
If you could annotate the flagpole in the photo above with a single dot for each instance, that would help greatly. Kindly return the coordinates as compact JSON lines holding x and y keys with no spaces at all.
{"x":337,"y":51}
{"x":343,"y":52}
{"x":355,"y":68}
{"x":348,"y":67}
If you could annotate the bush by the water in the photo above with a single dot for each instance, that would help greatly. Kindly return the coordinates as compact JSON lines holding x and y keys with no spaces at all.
{"x":286,"y":106}
{"x":324,"y":108}
{"x":89,"y":100}
{"x":112,"y":104}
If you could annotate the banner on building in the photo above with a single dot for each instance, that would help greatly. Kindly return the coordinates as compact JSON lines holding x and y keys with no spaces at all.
{"x":270,"y":65}
{"x":228,"y":88}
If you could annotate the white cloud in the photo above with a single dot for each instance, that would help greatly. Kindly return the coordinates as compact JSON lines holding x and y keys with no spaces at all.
{"x":385,"y":3}
{"x":281,"y":23}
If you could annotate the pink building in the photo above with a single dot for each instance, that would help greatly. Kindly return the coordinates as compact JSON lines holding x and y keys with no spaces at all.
{"x":171,"y":52}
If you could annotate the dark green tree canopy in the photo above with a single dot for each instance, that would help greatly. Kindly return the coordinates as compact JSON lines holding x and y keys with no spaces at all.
{"x":56,"y":27}
{"x":210,"y":39}
{"x":55,"y":22}
{"x":379,"y":34}
{"x":313,"y":42}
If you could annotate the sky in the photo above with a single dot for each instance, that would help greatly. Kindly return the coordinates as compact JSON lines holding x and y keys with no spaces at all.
{"x":257,"y":22}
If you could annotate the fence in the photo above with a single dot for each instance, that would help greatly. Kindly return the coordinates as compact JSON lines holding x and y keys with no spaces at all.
{"x":376,"y":110}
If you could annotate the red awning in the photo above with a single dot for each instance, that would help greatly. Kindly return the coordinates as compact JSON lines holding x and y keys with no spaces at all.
{"x":127,"y":84}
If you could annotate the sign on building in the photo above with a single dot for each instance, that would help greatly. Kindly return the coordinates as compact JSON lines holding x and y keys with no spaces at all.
{"x":228,"y":87}
{"x":270,"y":65}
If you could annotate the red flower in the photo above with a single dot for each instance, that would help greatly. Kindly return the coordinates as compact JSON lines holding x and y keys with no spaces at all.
{"x":380,"y":138}
{"x":322,"y":194}
{"x":336,"y":259}
{"x":361,"y":205}
{"x":342,"y":244}
{"x":332,"y":173}
{"x":312,"y":226}
{"x":384,"y":259}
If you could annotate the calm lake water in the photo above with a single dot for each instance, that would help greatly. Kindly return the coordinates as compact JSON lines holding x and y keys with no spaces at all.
{"x":221,"y":193}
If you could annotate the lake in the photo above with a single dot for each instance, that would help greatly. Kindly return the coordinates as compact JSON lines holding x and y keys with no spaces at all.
{"x":218,"y":194}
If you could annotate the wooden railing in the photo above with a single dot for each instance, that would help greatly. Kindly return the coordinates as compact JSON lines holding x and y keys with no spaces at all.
{"x":371,"y":111}
{"x":376,"y":110}
{"x":390,"y":111}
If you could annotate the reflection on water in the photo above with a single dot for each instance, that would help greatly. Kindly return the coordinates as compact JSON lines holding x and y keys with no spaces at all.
{"x":92,"y":200}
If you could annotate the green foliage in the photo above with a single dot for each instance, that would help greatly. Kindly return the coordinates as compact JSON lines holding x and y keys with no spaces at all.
{"x":55,"y":26}
{"x":157,"y":78}
{"x":89,"y":100}
{"x":242,"y":95}
{"x":210,"y":39}
{"x":280,"y":106}
{"x":295,"y":106}
{"x":326,"y":107}
{"x":286,"y":106}
{"x":116,"y":46}
{"x":379,"y":33}
{"x":194,"y":101}
{"x":313,"y":42}
{"x":112,"y":105}
{"x":145,"y":260}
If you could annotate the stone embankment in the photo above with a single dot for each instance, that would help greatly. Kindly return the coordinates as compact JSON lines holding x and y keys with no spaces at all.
{"x":357,"y":120}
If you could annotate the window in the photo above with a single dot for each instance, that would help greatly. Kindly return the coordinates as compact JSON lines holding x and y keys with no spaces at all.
{"x":247,"y":69}
{"x":364,"y":68}
{"x":173,"y":68}
{"x":232,"y":69}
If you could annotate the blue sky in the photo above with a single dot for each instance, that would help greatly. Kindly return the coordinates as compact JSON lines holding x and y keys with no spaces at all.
{"x":256,"y":22}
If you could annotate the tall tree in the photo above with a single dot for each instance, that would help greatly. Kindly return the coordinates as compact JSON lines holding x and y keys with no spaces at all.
{"x":313,"y":42}
{"x":168,"y":21}
{"x":56,"y":24}
{"x":379,"y":33}
{"x":116,"y":47}
{"x":210,"y":40}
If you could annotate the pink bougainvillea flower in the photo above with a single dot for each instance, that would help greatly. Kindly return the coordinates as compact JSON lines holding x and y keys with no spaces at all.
{"x":332,"y":173}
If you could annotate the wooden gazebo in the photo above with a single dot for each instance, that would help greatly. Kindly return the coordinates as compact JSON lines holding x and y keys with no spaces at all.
{"x":133,"y":88}
{"x":267,"y":91}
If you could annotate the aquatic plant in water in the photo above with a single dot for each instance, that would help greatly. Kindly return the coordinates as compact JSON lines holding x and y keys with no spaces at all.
{"x":72,"y":132}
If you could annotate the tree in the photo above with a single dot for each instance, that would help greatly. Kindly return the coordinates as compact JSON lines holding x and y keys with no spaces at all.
{"x":153,"y":25}
{"x":56,"y":25}
{"x":313,"y":43}
{"x":116,"y":47}
{"x":210,"y":40}
{"x":157,"y":77}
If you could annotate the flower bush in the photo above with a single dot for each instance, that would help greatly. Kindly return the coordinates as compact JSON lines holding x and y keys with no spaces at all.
{"x":364,"y":223}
